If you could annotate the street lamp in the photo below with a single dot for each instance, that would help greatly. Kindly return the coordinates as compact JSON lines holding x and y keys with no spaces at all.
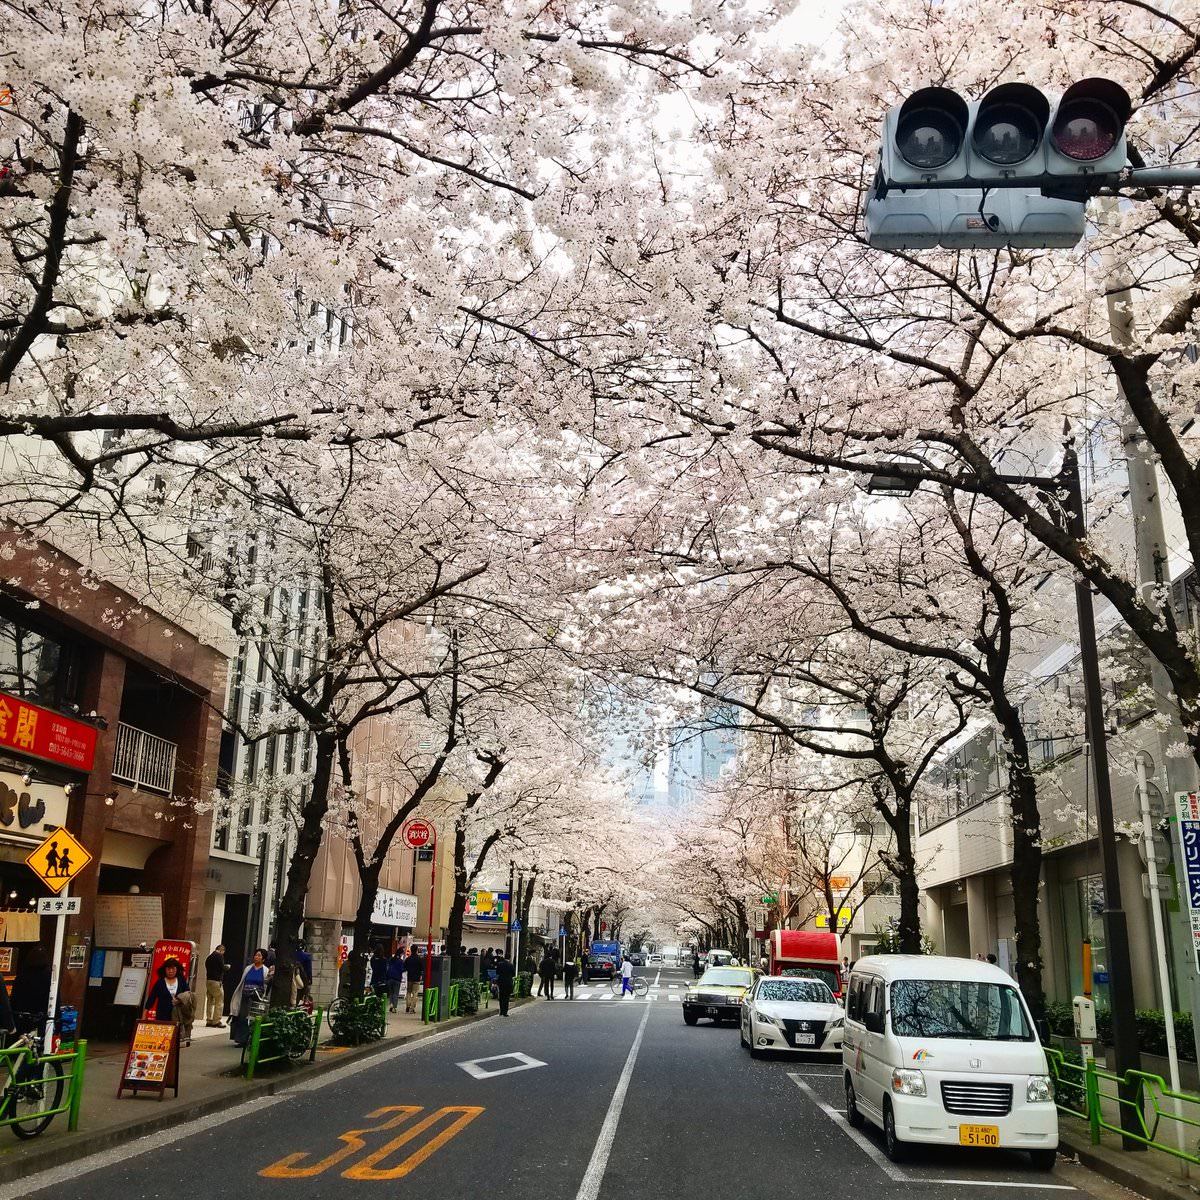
{"x":1068,"y":513}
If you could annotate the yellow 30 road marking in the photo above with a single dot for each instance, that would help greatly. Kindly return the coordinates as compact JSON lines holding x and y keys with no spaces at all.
{"x":368,"y":1167}
{"x":286,"y":1167}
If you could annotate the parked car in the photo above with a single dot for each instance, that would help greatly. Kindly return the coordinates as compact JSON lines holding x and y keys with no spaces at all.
{"x":944,"y":1051}
{"x":717,"y":994}
{"x":655,"y":960}
{"x":637,"y":958}
{"x":603,"y":961}
{"x":781,"y":1013}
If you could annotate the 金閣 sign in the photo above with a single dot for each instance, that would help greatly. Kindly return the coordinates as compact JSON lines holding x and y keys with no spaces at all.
{"x":31,"y":729}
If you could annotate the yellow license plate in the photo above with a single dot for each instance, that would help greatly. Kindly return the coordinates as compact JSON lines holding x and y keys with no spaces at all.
{"x":978,"y":1135}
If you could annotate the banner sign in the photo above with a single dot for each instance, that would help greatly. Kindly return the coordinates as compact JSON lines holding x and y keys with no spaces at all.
{"x":152,"y":1062}
{"x":394,"y":908}
{"x":30,"y":729}
{"x":1188,"y":807}
{"x":488,"y":906}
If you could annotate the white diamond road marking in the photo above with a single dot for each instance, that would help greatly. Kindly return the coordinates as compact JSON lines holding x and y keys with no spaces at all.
{"x":475,"y":1066}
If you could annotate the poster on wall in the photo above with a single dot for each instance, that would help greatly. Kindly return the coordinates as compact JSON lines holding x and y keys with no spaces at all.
{"x":130,"y":987}
{"x":488,"y":906}
{"x":6,"y":960}
{"x":125,"y":922}
{"x":152,"y":1061}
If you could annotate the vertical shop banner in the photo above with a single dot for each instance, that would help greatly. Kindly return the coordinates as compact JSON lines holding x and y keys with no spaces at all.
{"x":1188,"y":808}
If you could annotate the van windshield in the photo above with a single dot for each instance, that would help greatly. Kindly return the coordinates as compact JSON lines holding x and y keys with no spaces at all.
{"x":955,"y":1008}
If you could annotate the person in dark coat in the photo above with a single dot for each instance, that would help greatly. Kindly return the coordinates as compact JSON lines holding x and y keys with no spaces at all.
{"x":570,"y":968}
{"x":396,"y":972}
{"x":170,"y":999}
{"x":546,"y":971}
{"x":379,"y":972}
{"x":505,"y":974}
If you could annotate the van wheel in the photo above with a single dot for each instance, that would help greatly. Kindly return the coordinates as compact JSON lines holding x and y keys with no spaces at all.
{"x":853,"y":1117}
{"x":896,"y":1150}
{"x":1043,"y":1160}
{"x":689,"y":1018}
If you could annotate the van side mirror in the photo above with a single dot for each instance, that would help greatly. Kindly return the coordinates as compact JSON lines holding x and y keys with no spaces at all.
{"x":1043,"y":1030}
{"x":873,"y":1022}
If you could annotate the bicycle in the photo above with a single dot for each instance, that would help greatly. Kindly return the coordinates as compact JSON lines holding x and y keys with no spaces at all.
{"x":640,"y":986}
{"x":33,"y":1087}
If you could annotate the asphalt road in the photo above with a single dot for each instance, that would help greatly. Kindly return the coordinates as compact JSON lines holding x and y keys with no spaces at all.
{"x":595,"y":1099}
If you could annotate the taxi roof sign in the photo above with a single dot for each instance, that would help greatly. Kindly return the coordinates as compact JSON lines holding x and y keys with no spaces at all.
{"x":58,"y":860}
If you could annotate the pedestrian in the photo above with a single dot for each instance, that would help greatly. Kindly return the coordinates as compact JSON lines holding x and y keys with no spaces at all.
{"x":570,"y":969}
{"x":695,"y":965}
{"x":546,"y":970}
{"x":395,"y":978}
{"x":414,"y":968}
{"x":379,"y":972}
{"x":845,"y":967}
{"x":303,"y":975}
{"x":251,"y":990}
{"x":505,"y":974}
{"x":626,"y":975}
{"x":171,"y":1000}
{"x":993,"y":960}
{"x":215,"y":967}
{"x":31,"y":990}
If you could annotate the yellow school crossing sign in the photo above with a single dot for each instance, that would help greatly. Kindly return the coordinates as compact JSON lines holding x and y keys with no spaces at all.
{"x":58,"y":860}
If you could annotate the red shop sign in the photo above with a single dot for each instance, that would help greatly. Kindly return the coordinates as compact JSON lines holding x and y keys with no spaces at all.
{"x":44,"y":734}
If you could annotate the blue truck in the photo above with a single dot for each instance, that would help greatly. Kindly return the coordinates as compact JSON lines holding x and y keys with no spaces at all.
{"x":603,"y":961}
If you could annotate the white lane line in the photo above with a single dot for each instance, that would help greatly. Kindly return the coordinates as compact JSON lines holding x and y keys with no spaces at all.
{"x":865,"y":1144}
{"x":593,"y":1177}
{"x":893,"y":1172}
{"x":658,"y":976}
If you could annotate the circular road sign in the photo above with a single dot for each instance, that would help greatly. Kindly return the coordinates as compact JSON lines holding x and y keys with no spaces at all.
{"x":417,"y":834}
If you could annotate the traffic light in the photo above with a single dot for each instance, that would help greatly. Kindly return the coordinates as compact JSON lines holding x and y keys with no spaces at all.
{"x":1009,"y":169}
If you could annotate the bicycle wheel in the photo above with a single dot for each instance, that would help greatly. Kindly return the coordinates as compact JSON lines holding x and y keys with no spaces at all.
{"x":615,"y":986}
{"x":640,"y":986}
{"x":39,"y":1087}
{"x":334,"y":1012}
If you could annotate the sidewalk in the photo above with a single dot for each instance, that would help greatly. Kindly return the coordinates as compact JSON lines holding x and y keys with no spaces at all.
{"x":1147,"y":1173}
{"x":210,"y":1079}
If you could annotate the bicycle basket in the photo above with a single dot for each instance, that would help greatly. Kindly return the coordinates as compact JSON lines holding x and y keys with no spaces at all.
{"x":256,"y":1004}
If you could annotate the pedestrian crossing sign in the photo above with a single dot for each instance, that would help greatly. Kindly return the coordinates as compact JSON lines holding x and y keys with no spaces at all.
{"x":58,"y":860}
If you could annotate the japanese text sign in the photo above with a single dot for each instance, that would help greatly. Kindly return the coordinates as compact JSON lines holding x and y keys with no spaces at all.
{"x":1188,"y":808}
{"x":44,"y":734}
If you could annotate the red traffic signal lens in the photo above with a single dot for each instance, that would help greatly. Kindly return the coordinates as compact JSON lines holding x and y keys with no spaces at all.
{"x":1090,"y":119}
{"x":931,"y":128}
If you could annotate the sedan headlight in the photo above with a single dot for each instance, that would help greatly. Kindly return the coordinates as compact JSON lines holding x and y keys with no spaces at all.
{"x":837,"y":1022}
{"x":765,"y":1018}
{"x":907,"y":1082}
{"x":1039,"y":1090}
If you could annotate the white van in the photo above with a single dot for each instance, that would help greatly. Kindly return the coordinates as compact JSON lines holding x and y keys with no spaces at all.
{"x":718,"y":958}
{"x":943,"y":1051}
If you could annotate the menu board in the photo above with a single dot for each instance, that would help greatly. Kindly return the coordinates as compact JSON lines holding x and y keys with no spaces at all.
{"x":152,"y":1062}
{"x":125,"y":921}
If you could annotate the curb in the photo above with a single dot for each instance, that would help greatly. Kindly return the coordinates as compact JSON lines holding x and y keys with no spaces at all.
{"x":82,"y":1144}
{"x":1128,"y":1177}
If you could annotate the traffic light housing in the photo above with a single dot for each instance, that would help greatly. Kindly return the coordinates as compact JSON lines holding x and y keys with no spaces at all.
{"x":1012,"y":168}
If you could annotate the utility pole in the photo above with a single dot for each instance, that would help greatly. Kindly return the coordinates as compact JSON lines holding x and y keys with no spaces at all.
{"x":1116,"y":928}
{"x":1150,"y":544}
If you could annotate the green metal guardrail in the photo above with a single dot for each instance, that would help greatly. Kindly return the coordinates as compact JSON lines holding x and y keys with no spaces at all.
{"x":429,"y":1006}
{"x":453,"y":1008}
{"x":13,"y":1059}
{"x":262,"y":1033}
{"x":1164,"y":1119}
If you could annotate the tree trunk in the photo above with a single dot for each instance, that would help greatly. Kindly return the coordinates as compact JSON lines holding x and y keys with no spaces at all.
{"x":361,"y":955}
{"x":458,"y":906}
{"x":1026,"y":870}
{"x":905,"y":870}
{"x":290,"y":913}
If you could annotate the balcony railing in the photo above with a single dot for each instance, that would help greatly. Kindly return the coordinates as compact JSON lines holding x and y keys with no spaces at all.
{"x":144,"y":760}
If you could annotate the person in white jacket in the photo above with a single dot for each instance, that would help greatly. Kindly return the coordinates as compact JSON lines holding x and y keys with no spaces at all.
{"x":626,"y":975}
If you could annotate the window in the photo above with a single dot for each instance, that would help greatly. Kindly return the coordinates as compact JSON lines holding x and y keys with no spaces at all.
{"x":875,"y":1004}
{"x":36,"y":666}
{"x":854,"y":1000}
{"x":954,"y":1008}
{"x":804,"y":991}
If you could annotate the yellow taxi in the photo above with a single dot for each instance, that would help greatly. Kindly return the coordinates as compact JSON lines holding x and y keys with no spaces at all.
{"x":718,"y":993}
